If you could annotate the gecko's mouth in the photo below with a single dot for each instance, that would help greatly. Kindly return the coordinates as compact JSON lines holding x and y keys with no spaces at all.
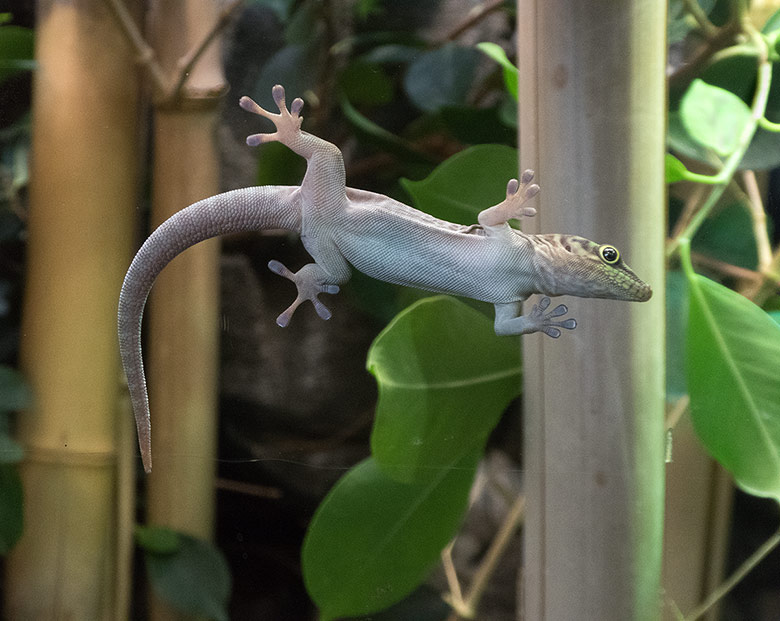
{"x":644,"y":294}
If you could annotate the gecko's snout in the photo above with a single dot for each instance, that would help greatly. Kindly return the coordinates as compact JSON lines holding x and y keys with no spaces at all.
{"x":644,"y":294}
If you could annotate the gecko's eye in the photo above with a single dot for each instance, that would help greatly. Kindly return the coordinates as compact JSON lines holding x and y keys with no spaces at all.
{"x":609,"y":254}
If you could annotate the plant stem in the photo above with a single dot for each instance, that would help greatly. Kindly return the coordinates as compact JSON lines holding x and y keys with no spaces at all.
{"x":757,"y":111}
{"x":466,"y":608}
{"x":676,"y":412}
{"x":763,"y":245}
{"x":709,"y":29}
{"x":508,"y":529}
{"x":456,"y":595}
{"x":754,"y":559}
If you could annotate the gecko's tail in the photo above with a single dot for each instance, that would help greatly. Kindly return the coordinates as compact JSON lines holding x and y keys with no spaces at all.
{"x":249,"y":209}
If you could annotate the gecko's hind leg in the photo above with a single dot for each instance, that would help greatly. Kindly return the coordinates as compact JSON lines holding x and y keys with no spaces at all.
{"x":517,"y":193}
{"x":288,"y":122}
{"x":311,"y":280}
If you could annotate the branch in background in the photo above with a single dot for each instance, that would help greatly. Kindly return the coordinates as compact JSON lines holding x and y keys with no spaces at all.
{"x":146,"y":56}
{"x":475,"y":15}
{"x":676,"y":411}
{"x":763,"y":245}
{"x":467,"y":607}
{"x":188,"y":62}
{"x":727,"y":269}
{"x":714,"y":597}
{"x":724,"y":37}
{"x":166,"y":90}
{"x":708,"y":29}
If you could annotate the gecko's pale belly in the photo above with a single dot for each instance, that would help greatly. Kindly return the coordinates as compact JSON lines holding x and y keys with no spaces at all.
{"x":414,"y":254}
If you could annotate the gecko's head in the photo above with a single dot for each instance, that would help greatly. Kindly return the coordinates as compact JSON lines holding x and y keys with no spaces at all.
{"x":572,"y":265}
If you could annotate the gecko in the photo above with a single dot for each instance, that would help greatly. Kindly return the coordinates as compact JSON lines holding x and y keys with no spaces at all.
{"x":344,"y":228}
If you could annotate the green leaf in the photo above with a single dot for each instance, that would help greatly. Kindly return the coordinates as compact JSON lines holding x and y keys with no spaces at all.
{"x":497,"y":53}
{"x":195,"y":579}
{"x":727,"y":235}
{"x":675,"y":169}
{"x":478,"y":125}
{"x":158,"y":539}
{"x":373,"y":540}
{"x":466,"y":183}
{"x":442,"y":77}
{"x":366,"y":84}
{"x":713,"y":116}
{"x":737,"y":73}
{"x":772,"y":24}
{"x":370,"y":132}
{"x":278,"y":165}
{"x":16,"y":51}
{"x":14,"y":394}
{"x":733,"y":353}
{"x":11,"y":508}
{"x":444,"y":379}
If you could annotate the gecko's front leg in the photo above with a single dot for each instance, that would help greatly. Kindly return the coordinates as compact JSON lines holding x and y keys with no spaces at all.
{"x":509,"y":321}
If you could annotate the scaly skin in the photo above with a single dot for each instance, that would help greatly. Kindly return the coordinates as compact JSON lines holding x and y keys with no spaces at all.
{"x":342,"y":227}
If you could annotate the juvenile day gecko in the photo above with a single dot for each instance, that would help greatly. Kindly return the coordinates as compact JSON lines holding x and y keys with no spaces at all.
{"x":342,"y":227}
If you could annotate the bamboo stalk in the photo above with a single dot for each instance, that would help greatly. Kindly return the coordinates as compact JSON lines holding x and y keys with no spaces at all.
{"x":82,"y":197}
{"x":592,"y":103}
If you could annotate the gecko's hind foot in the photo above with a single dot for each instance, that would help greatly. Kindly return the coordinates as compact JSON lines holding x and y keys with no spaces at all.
{"x":309,"y":280}
{"x":288,"y":122}
{"x":546,"y":320}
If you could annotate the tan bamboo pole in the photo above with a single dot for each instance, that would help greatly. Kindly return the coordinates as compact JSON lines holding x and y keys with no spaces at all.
{"x":82,"y":201}
{"x":592,"y":106}
{"x":184,"y":304}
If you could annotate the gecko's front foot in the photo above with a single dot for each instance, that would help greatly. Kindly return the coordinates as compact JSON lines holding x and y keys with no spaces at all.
{"x":288,"y":122}
{"x":517,"y":193}
{"x":510,"y":322}
{"x":310,"y":283}
{"x":545,"y":321}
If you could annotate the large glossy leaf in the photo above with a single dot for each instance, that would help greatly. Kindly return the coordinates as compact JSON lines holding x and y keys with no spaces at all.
{"x":713,"y":116}
{"x":366,"y":83}
{"x":188,"y":573}
{"x":441,"y":77}
{"x":728,"y":236}
{"x":444,"y":380}
{"x":735,"y":73}
{"x":733,"y":357}
{"x":373,"y":540}
{"x":11,"y":508}
{"x":466,"y":183}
